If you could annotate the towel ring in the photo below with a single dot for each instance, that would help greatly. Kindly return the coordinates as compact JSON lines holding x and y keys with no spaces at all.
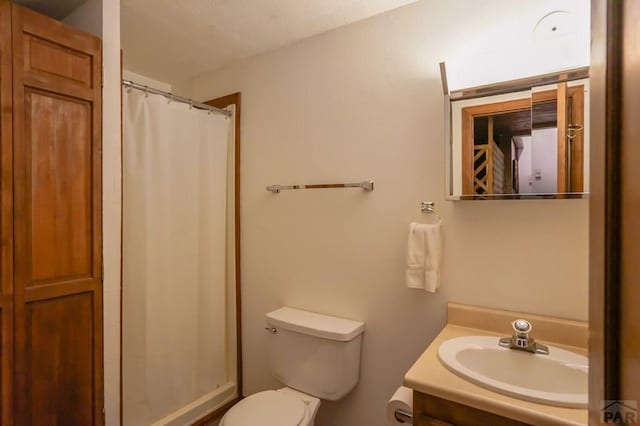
{"x":429,"y":207}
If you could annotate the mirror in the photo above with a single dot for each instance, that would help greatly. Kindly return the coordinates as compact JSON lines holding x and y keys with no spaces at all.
{"x":521,"y":139}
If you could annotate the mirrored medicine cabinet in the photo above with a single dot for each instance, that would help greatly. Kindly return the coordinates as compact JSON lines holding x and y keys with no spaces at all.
{"x":520,"y":139}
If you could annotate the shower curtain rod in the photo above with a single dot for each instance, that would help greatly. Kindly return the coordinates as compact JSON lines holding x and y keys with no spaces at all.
{"x":171,"y":97}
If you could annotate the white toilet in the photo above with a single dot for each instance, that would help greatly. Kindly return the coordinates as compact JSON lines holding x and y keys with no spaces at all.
{"x":315,"y":356}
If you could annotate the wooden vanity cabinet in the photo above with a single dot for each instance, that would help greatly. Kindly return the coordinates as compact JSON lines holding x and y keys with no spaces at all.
{"x":50,"y":222}
{"x":430,"y":410}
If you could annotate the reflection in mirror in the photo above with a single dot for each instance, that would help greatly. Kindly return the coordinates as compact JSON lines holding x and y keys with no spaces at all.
{"x":557,"y":138}
{"x":526,"y":143}
{"x":488,"y":130}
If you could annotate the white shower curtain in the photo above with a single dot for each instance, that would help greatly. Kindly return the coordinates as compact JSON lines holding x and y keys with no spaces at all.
{"x":174,"y":255}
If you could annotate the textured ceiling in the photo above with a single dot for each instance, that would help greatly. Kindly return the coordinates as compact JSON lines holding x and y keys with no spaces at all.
{"x":57,"y":9}
{"x":524,"y":39}
{"x":175,"y":40}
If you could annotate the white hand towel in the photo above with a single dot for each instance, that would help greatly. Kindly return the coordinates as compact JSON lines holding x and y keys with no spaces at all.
{"x":424,"y":252}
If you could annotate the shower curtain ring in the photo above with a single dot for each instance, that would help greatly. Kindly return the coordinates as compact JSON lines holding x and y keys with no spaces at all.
{"x":169,"y":99}
{"x":146,"y":91}
{"x":190,"y":103}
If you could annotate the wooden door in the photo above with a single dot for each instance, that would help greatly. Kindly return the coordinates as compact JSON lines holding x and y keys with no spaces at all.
{"x":570,"y":124}
{"x":470,"y":181}
{"x":57,"y":222}
{"x":562,"y":124}
{"x":614,"y":323}
{"x":575,"y":137}
{"x":630,"y":205}
{"x":6,"y":220}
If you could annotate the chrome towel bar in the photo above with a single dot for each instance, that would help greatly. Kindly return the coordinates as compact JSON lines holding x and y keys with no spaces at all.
{"x":366,"y":185}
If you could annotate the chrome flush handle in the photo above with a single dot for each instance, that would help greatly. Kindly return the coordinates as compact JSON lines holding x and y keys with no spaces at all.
{"x":271,"y":330}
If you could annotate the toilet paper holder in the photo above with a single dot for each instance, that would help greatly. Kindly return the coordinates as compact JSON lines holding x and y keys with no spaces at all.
{"x":403,"y":416}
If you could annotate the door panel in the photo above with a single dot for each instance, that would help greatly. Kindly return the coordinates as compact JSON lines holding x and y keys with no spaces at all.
{"x":43,"y":57}
{"x":54,"y":56}
{"x":58,"y":161}
{"x":58,"y":349}
{"x":57,"y":224}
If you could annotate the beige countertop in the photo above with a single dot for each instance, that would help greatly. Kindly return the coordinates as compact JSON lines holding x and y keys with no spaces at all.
{"x":429,"y":376}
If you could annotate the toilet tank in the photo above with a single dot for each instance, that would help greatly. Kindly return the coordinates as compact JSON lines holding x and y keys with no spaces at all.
{"x":314,"y":353}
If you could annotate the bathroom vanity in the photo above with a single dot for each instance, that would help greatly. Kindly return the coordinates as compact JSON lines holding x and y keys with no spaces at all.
{"x":442,"y":397}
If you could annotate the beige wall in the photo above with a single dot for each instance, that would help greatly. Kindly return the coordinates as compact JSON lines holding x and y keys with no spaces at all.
{"x":365,"y":102}
{"x":87,"y":17}
{"x":112,"y":201}
{"x":143,"y":79}
{"x":103,"y":19}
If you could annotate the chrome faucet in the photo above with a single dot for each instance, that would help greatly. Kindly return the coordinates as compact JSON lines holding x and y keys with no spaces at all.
{"x":521,"y":339}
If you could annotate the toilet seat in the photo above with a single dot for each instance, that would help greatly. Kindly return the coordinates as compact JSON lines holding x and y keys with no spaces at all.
{"x":268,"y":408}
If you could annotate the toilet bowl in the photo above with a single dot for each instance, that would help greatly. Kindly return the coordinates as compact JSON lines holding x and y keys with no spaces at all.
{"x":284,"y":407}
{"x":315,"y":356}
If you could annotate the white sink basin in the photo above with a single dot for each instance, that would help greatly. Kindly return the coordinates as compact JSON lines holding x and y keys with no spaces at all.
{"x":559,"y":378}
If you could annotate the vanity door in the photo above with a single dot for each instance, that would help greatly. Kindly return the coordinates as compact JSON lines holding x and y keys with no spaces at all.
{"x":429,"y":410}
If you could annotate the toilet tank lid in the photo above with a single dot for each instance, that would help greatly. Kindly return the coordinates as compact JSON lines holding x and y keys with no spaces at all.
{"x":318,"y":325}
